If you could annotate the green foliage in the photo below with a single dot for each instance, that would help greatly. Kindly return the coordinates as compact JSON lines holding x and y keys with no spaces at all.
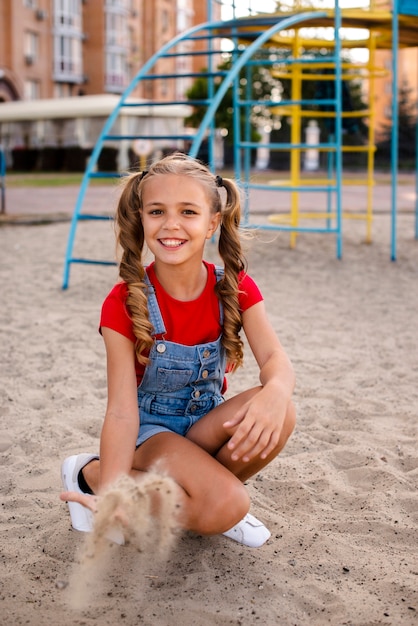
{"x":254,"y":83}
{"x":407,"y":129}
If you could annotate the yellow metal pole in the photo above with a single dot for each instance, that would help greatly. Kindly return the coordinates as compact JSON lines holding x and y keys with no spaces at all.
{"x":371,"y":142}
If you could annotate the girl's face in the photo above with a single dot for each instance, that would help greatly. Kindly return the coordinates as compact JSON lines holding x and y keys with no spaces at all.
{"x":177,"y":218}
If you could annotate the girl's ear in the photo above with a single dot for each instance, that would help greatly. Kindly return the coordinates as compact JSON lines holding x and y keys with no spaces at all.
{"x":213,"y":225}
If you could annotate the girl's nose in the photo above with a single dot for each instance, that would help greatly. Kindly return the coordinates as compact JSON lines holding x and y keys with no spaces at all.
{"x":171,"y":222}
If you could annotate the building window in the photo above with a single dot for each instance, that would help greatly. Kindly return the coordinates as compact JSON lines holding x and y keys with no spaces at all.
{"x":117,"y":45}
{"x":67,"y":13}
{"x":30,"y":4}
{"x":68,"y":41}
{"x":32,"y":90}
{"x":116,"y":71}
{"x":31,"y":47}
{"x":118,"y":4}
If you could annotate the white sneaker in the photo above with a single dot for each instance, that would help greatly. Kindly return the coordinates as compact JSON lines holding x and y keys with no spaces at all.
{"x":249,"y":531}
{"x":81,"y":517}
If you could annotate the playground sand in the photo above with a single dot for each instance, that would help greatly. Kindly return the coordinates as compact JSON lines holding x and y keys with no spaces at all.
{"x":341,"y":501}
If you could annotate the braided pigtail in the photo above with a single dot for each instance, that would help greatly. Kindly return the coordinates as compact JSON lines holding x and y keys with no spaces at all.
{"x":130,"y":237}
{"x":231,"y":253}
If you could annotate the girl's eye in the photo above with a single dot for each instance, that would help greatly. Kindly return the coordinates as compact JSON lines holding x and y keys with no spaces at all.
{"x":156,"y":212}
{"x":189,"y":212}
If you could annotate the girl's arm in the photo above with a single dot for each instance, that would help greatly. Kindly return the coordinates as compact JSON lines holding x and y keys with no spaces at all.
{"x":121,"y":423}
{"x":260,"y":421}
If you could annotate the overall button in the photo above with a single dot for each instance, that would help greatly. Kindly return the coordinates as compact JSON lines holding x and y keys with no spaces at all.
{"x":193,"y":408}
{"x":161,"y":348}
{"x":205,"y":374}
{"x":196,"y":394}
{"x":206,"y":353}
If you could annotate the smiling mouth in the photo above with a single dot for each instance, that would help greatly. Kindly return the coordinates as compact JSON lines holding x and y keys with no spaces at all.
{"x":172,"y":243}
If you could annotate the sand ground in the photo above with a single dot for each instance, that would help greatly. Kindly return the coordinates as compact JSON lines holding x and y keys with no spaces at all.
{"x":341,"y":501}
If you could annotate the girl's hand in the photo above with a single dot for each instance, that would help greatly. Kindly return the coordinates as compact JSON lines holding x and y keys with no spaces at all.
{"x":90,"y":502}
{"x":257,"y":425}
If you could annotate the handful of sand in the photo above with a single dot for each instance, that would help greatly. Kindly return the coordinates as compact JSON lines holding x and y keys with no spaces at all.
{"x":142,"y":514}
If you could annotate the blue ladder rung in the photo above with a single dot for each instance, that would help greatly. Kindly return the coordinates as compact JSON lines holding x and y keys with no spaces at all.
{"x":284,"y":103}
{"x":91,"y":261}
{"x":197,"y":53}
{"x":90,"y":216}
{"x":288,"y":146}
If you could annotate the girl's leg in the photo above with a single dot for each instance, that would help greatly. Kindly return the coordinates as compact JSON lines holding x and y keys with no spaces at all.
{"x":211,"y":493}
{"x":211,"y":498}
{"x":210,"y":434}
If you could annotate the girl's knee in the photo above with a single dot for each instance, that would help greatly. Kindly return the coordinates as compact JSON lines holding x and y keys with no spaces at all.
{"x":225,"y":508}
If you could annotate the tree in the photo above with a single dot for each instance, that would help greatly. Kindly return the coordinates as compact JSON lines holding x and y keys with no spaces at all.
{"x":407,"y":129}
{"x":256,"y":80}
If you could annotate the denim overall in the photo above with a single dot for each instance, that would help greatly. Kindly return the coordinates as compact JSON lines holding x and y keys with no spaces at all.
{"x":181,"y":383}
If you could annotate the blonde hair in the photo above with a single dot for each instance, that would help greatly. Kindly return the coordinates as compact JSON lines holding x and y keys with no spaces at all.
{"x":130,"y":237}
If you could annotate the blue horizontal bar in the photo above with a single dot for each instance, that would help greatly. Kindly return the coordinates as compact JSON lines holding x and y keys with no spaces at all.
{"x":89,"y":216}
{"x":287,"y":146}
{"x":92,"y":262}
{"x":190,"y":53}
{"x":104,"y":175}
{"x":284,"y":103}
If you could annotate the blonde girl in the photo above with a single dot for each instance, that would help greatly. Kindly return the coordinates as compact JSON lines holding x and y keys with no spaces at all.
{"x":171,"y":331}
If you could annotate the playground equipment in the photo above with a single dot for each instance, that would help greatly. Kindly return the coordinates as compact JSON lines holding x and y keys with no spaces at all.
{"x":258,"y":40}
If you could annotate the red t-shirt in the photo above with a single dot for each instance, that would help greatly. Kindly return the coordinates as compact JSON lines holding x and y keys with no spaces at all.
{"x":188,"y":323}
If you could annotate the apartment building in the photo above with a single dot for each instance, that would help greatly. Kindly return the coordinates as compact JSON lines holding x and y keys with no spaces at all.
{"x":407,"y":78}
{"x":64,"y":48}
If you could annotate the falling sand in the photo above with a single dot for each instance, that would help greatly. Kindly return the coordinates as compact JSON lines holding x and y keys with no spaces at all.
{"x":139,"y":515}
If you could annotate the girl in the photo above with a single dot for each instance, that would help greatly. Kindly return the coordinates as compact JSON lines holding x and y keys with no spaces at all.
{"x":171,"y":330}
